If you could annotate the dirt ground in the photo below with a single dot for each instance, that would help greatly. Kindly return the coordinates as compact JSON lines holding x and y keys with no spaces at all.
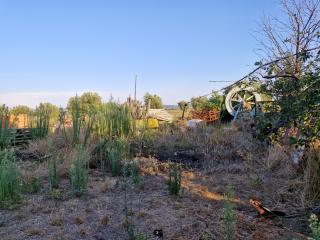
{"x":196,"y":214}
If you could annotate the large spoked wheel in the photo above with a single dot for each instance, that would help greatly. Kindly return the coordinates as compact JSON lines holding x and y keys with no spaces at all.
{"x":241,"y":99}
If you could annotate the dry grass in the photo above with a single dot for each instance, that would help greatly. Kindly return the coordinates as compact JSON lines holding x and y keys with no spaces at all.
{"x":277,"y":159}
{"x":213,"y":158}
{"x":311,"y":178}
{"x":56,"y":218}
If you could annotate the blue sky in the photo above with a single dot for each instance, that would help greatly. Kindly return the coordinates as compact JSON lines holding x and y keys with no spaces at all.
{"x":50,"y":50}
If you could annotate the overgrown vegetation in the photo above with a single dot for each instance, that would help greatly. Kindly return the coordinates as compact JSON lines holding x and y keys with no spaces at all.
{"x":10,"y":179}
{"x":78,"y":172}
{"x":39,"y":122}
{"x":174,"y":182}
{"x":5,"y":128}
{"x":314,"y":226}
{"x":53,"y":173}
{"x":118,"y":151}
{"x":228,"y":214}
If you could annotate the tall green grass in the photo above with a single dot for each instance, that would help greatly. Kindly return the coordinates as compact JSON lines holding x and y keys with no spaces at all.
{"x":53,"y":173}
{"x":118,"y":150}
{"x":78,"y":172}
{"x":114,"y":120}
{"x":39,"y":122}
{"x":5,"y":129}
{"x":82,"y":124}
{"x":229,"y":214}
{"x":174,"y":182}
{"x":10,"y":179}
{"x":76,"y":120}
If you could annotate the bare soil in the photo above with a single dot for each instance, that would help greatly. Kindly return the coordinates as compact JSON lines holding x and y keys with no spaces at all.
{"x":198,"y":212}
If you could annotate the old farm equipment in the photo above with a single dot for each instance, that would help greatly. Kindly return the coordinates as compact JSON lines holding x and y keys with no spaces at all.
{"x":242,"y":98}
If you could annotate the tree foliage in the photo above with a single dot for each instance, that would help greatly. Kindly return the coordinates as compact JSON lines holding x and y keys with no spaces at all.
{"x":155,"y":101}
{"x":20,"y":109}
{"x":292,"y":75}
{"x":215,"y":101}
{"x":89,"y":103}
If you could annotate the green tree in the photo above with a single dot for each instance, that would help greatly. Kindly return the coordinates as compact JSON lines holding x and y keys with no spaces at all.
{"x":203,"y":103}
{"x":155,"y":101}
{"x":52,"y":110}
{"x":20,"y":109}
{"x":89,"y":102}
{"x":198,"y":102}
{"x":290,"y":70}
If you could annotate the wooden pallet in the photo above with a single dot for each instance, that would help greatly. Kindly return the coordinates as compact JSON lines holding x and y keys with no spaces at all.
{"x":212,"y":115}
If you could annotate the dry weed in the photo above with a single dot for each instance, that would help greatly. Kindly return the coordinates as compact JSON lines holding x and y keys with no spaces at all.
{"x":311,"y":191}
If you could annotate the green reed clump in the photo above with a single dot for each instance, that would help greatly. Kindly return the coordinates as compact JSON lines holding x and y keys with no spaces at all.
{"x":82,"y":122}
{"x":118,"y":150}
{"x":228,"y":213}
{"x":53,"y":173}
{"x":78,"y":172}
{"x":114,"y":120}
{"x":174,"y":182}
{"x":131,"y":169}
{"x":77,"y":120}
{"x":5,"y":128}
{"x":39,"y":122}
{"x":10,"y":178}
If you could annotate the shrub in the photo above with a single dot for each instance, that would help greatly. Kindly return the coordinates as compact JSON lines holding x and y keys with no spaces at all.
{"x":39,"y":122}
{"x":10,"y":178}
{"x":114,"y":120}
{"x":311,"y":178}
{"x":5,"y":129}
{"x":132,"y":170}
{"x":53,"y":176}
{"x":228,"y":214}
{"x":174,"y":182}
{"x":118,"y":150}
{"x":32,"y":185}
{"x":78,"y":172}
{"x":314,"y":225}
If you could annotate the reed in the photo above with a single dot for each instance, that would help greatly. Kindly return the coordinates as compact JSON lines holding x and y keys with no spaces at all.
{"x":118,"y":150}
{"x":39,"y":122}
{"x":10,"y":178}
{"x":114,"y":120}
{"x":5,"y":128}
{"x":174,"y":182}
{"x":78,"y":172}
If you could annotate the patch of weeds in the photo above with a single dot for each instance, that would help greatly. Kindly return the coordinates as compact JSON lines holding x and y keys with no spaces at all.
{"x":314,"y":225}
{"x":78,"y":172}
{"x":32,"y":185}
{"x":174,"y":182}
{"x":255,"y":180}
{"x":206,"y":236}
{"x":53,"y":175}
{"x":56,"y":219}
{"x":104,"y":220}
{"x":228,"y":214}
{"x":79,"y":220}
{"x":10,"y":179}
{"x":141,"y":237}
{"x":118,"y":150}
{"x":56,"y":194}
{"x":33,"y":231}
{"x":132,"y":170}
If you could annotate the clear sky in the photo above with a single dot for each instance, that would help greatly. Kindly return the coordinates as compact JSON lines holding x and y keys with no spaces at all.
{"x":51,"y":50}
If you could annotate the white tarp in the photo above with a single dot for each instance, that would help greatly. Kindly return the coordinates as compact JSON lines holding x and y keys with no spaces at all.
{"x":193,"y":122}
